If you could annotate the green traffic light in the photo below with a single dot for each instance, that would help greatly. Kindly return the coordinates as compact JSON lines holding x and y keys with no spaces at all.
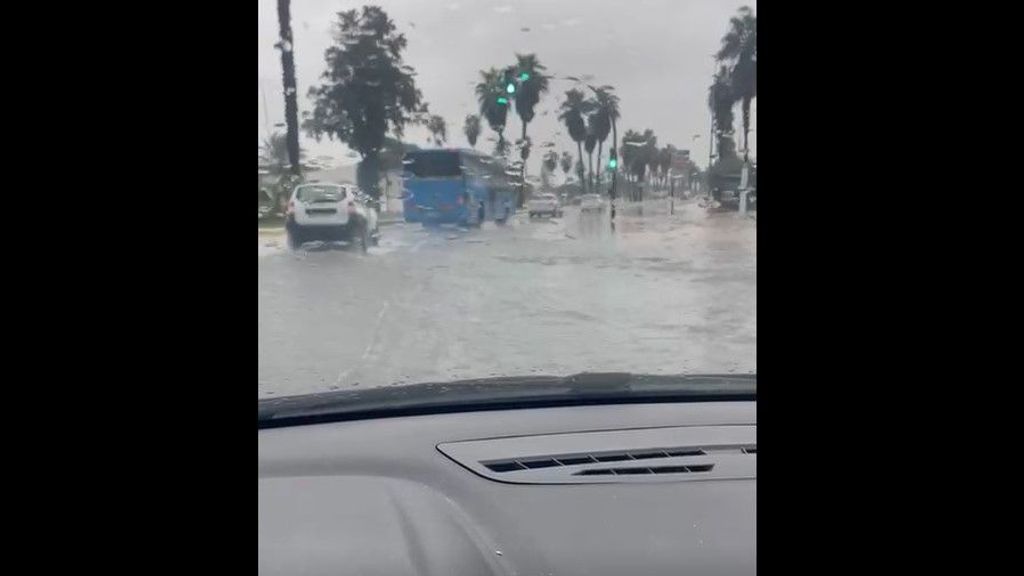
{"x":502,"y":100}
{"x":524,"y":76}
{"x":613,"y":163}
{"x":511,"y":88}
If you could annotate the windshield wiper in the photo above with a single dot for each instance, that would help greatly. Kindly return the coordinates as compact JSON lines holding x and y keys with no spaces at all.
{"x":504,"y":394}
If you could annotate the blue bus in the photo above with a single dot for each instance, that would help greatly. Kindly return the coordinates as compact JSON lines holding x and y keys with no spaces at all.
{"x":456,"y":186}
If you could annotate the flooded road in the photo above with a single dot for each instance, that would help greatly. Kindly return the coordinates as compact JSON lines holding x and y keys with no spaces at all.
{"x":663,"y":294}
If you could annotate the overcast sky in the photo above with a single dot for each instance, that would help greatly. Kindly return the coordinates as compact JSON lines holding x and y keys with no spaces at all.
{"x":656,"y":53}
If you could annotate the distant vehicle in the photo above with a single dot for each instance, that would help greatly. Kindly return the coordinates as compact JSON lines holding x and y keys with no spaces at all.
{"x":456,"y":186}
{"x":591,"y":203}
{"x":544,"y":204}
{"x":729,"y":198}
{"x":324,"y":211}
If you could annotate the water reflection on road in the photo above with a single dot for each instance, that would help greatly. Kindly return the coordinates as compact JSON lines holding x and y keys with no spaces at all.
{"x":660,"y":294}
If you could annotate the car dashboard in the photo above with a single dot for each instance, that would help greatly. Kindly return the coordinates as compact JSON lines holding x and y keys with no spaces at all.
{"x":653,"y":489}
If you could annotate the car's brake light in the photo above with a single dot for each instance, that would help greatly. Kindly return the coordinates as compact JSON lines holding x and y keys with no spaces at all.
{"x":351,"y":208}
{"x":291,"y":207}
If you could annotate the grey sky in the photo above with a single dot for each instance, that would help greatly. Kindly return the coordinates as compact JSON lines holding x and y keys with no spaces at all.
{"x":656,"y":53}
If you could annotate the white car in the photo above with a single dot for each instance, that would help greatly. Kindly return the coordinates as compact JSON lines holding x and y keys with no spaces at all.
{"x":591,"y":202}
{"x":330,"y":212}
{"x":544,"y":204}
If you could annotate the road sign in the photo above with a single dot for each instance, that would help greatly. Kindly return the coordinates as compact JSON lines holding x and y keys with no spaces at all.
{"x":681,"y":161}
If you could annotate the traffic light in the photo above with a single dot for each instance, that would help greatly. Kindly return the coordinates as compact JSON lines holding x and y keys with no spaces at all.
{"x":612,"y":164}
{"x":523,"y":77}
{"x":502,"y":100}
{"x":509,"y":78}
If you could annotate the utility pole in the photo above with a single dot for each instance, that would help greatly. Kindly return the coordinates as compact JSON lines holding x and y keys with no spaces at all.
{"x":291,"y":105}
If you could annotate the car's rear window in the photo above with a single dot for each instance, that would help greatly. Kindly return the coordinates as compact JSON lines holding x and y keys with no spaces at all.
{"x":314,"y":193}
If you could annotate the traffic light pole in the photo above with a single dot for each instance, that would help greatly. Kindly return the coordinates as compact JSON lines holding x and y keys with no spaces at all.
{"x":615,"y":174}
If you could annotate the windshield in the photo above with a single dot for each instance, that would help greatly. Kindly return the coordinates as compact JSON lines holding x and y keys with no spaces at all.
{"x":433,"y":164}
{"x":638,"y":120}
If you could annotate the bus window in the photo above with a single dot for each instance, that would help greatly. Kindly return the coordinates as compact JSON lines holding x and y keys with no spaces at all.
{"x":439,"y":164}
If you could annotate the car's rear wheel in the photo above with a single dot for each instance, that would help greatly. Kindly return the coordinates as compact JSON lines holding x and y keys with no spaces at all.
{"x":294,"y":240}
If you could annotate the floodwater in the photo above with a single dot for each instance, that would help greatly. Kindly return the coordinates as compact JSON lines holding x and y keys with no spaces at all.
{"x":664,"y":294}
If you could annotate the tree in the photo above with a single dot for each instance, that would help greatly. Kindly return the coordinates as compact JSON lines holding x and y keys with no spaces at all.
{"x":589,"y":143}
{"x":367,"y":92}
{"x":720,"y":100}
{"x":438,"y":130}
{"x":629,"y":150}
{"x":502,"y":148}
{"x":639,"y":152}
{"x":528,"y":95}
{"x":471,"y":128}
{"x":392,"y":153}
{"x":291,"y":106}
{"x":276,"y":155}
{"x":650,"y":153}
{"x":488,"y":93}
{"x":551,"y":160}
{"x":574,"y":108}
{"x":549,"y":165}
{"x":276,"y":161}
{"x":665,"y":162}
{"x":566,"y":162}
{"x":608,"y":104}
{"x":739,"y":50}
{"x":600,"y":125}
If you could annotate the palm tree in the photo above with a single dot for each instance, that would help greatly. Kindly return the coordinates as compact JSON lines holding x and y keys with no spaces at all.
{"x":529,"y":92}
{"x":291,"y":105}
{"x":589,"y":143}
{"x":471,"y":128}
{"x":650,"y":151}
{"x":665,"y":162}
{"x":501,"y":148}
{"x":573,"y":109}
{"x":566,"y":162}
{"x":630,"y":152}
{"x":438,"y":130}
{"x":549,"y":165}
{"x":608,"y":104}
{"x":720,"y":101}
{"x":551,"y":160}
{"x":600,"y":126}
{"x":488,"y":91}
{"x":739,"y":50}
{"x":647,"y":159}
